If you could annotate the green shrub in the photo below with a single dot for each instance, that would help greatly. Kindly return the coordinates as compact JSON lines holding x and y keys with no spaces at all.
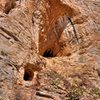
{"x":96,"y":91}
{"x":75,"y":93}
{"x":3,"y":53}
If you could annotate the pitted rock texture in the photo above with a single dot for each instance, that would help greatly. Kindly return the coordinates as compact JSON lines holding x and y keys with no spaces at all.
{"x":49,"y":50}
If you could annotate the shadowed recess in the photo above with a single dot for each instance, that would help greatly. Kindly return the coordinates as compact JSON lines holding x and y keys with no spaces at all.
{"x":48,"y":53}
{"x":28,"y":75}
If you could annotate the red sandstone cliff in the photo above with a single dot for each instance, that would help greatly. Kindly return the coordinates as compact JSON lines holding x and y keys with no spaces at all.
{"x":49,"y":49}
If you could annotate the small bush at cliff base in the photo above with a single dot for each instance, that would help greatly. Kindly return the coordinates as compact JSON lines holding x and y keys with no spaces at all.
{"x":96,"y":91}
{"x":74,"y":94}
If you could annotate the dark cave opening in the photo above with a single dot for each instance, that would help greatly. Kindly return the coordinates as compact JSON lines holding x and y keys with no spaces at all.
{"x":48,"y":53}
{"x":28,"y":75}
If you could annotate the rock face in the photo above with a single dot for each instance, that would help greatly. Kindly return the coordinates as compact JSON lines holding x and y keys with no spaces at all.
{"x":49,"y":49}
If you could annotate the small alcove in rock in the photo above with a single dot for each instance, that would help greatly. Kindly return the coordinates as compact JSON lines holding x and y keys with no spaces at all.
{"x":28,"y":75}
{"x":48,"y":53}
{"x":29,"y":71}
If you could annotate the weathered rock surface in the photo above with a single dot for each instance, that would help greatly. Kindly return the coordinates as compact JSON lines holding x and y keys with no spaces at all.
{"x":49,"y":50}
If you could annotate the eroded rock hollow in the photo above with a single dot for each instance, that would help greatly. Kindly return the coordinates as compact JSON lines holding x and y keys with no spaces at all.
{"x":49,"y":50}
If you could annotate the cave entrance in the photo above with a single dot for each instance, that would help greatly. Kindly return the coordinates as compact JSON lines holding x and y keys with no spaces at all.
{"x":28,"y":75}
{"x":59,"y":38}
{"x":48,"y":53}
